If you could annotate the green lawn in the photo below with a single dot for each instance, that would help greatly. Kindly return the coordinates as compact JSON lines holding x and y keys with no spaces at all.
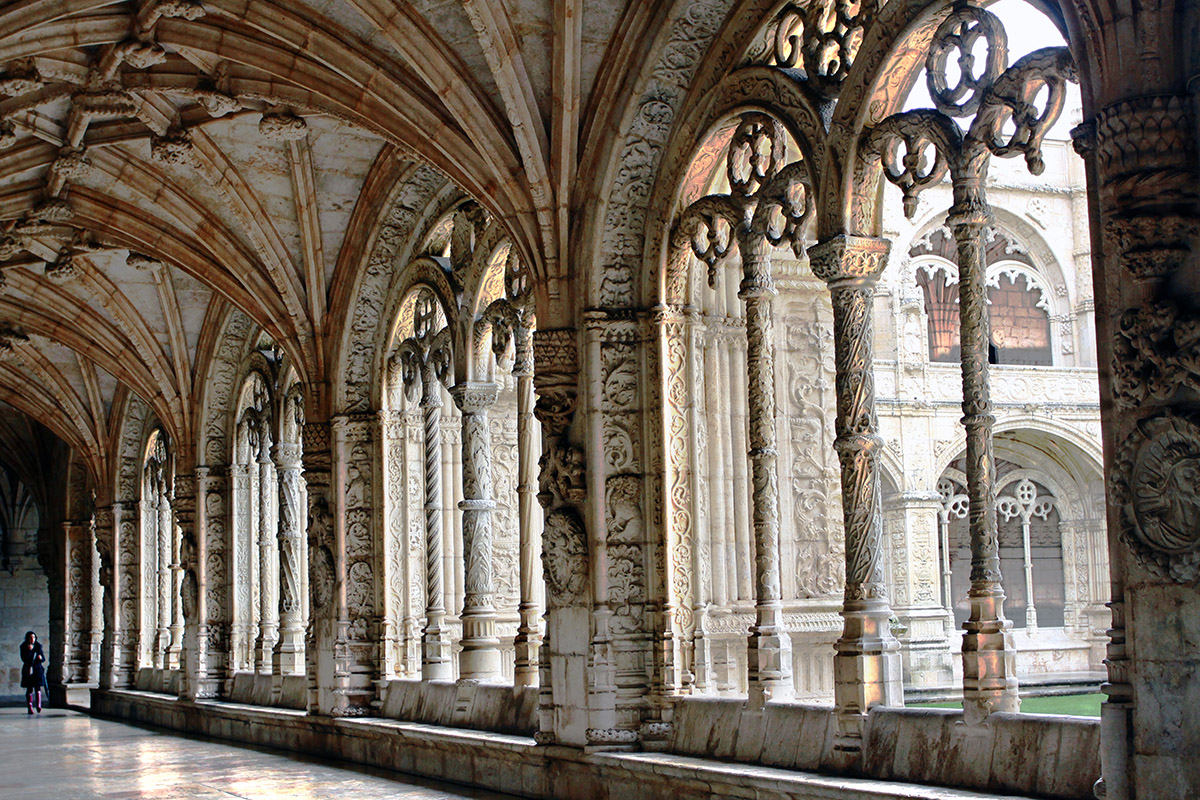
{"x":1079,"y":705}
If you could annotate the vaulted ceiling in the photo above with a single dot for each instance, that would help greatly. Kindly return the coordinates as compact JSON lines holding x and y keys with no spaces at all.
{"x":159,"y":160}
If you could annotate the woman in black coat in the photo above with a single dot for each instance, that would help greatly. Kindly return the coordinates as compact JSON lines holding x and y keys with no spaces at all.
{"x":33,"y":671}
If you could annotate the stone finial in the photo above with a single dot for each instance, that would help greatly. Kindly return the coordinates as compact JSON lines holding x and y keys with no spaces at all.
{"x":21,"y":77}
{"x":173,"y":147}
{"x":8,"y":134}
{"x":142,"y":54}
{"x":10,"y":339}
{"x":282,"y":126}
{"x":64,"y":269}
{"x":142,"y":262}
{"x":53,"y":211}
{"x":72,"y":164}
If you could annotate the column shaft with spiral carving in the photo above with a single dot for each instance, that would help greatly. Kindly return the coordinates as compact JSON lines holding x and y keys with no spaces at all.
{"x":988,"y":651}
{"x":268,"y":562}
{"x":867,"y":660}
{"x":112,"y":669}
{"x":435,"y":642}
{"x":529,"y":637}
{"x":288,"y":656}
{"x":480,"y":656}
{"x":770,"y":654}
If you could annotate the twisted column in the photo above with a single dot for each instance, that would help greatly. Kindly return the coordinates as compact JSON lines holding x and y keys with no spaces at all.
{"x":770,"y":647}
{"x":988,"y":651}
{"x":480,"y":656}
{"x":165,"y":580}
{"x":435,"y":641}
{"x":529,"y":638}
{"x":867,"y":659}
{"x":268,"y":563}
{"x":288,"y":656}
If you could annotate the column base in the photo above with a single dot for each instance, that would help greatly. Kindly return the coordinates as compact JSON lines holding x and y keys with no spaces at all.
{"x":867,"y":670}
{"x":989,"y":659}
{"x":769,"y":661}
{"x":435,"y":657}
{"x":479,"y":659}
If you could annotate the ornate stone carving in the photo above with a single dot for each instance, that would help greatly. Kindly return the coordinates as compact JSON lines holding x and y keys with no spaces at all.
{"x":1156,"y":484}
{"x":64,"y":269}
{"x":1156,"y":352}
{"x":282,"y":126}
{"x":173,"y":147}
{"x":564,"y":558}
{"x":20,"y":77}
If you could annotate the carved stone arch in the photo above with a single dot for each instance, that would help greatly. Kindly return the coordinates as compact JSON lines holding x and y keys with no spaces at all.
{"x":137,"y":420}
{"x":889,"y":61}
{"x":690,"y":172}
{"x":1064,"y":495}
{"x":626,"y":155}
{"x":892,"y":471}
{"x":221,"y":387}
{"x":1086,"y":449}
{"x":1044,"y":259}
{"x":356,"y":362}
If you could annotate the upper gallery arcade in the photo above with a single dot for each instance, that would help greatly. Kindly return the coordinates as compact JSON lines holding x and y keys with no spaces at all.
{"x":618,"y":382}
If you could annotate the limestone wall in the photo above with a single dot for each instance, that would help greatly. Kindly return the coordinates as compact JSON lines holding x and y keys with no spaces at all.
{"x":24,"y":606}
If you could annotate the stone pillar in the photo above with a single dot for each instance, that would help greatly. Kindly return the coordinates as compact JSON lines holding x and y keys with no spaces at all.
{"x":357,"y":456}
{"x":1141,"y":154}
{"x":211,"y":642}
{"x":480,"y":656}
{"x":435,"y":640}
{"x":164,"y":602}
{"x":770,"y":646}
{"x":327,"y":675}
{"x":529,"y":636}
{"x":129,"y":592}
{"x":193,"y":656}
{"x":563,"y":681}
{"x":288,"y":657}
{"x":79,"y":566}
{"x":914,"y":527}
{"x":268,"y":560}
{"x":867,"y":660}
{"x":175,"y":650}
{"x":988,"y":651}
{"x":107,"y":519}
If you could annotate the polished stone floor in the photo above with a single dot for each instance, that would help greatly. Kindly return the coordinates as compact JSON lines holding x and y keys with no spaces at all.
{"x":67,"y":755}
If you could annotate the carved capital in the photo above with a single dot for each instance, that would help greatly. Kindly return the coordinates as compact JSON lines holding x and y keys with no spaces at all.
{"x":555,"y":356}
{"x":64,"y":269}
{"x":72,"y":164}
{"x":1145,"y":151}
{"x":316,"y":458}
{"x":10,"y":340}
{"x":20,"y":77}
{"x":846,"y":258}
{"x":287,"y":455}
{"x":474,"y":398}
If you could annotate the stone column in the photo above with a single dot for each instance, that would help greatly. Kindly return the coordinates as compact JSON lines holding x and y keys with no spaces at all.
{"x":77,"y":618}
{"x":129,"y":592}
{"x":1144,"y":173}
{"x":191,"y":602}
{"x":268,"y":560}
{"x":988,"y":651}
{"x":208,"y":564}
{"x":480,"y":656}
{"x":435,"y":641}
{"x":164,"y":529}
{"x":867,"y":659}
{"x":770,"y":646}
{"x":326,"y":674}
{"x":529,"y":636}
{"x":288,"y":657}
{"x":175,"y":650}
{"x":356,"y":464}
{"x":563,"y":682}
{"x":107,"y":521}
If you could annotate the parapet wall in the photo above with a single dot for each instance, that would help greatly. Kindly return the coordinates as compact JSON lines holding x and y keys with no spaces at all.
{"x":1029,"y":754}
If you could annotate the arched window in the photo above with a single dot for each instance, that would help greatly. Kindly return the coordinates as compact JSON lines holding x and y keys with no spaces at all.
{"x":1031,"y":548}
{"x":1018,"y":300}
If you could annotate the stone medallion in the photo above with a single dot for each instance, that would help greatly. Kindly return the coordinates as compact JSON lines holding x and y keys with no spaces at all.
{"x":1157,"y":486}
